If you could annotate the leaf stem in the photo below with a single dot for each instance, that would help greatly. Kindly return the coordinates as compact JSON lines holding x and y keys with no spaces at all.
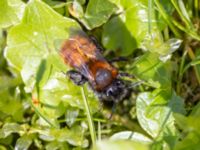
{"x":89,"y":117}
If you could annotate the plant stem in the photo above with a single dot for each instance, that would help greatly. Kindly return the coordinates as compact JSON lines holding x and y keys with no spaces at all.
{"x":89,"y":117}
{"x":180,"y":73}
{"x":192,"y":56}
{"x":166,"y":33}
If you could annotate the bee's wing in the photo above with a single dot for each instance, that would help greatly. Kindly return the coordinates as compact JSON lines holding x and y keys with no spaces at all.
{"x":73,"y":55}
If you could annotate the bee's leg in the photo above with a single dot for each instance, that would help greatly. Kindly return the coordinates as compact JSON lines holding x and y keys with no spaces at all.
{"x":121,"y":74}
{"x":113,"y":110}
{"x":118,"y":59}
{"x":76,"y":77}
{"x":94,"y":40}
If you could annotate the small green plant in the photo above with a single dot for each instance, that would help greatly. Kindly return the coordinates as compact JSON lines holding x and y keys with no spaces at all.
{"x":40,"y":108}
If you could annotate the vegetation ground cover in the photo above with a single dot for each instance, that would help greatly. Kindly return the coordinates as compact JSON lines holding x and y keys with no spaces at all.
{"x":40,"y":108}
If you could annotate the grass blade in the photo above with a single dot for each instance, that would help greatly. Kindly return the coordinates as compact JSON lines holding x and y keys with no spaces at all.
{"x":37,"y":111}
{"x":167,"y":18}
{"x":180,"y":8}
{"x":89,"y":117}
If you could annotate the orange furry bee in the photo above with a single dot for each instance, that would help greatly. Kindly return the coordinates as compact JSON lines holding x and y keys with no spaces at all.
{"x":83,"y":54}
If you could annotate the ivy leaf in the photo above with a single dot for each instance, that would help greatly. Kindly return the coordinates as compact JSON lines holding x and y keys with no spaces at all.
{"x":74,"y":136}
{"x":134,"y":136}
{"x":71,"y":115}
{"x":126,"y":32}
{"x":23,"y":142}
{"x":97,"y":12}
{"x":150,"y":68}
{"x":9,"y":128}
{"x":10,"y":106}
{"x":191,"y":129}
{"x":76,"y":9}
{"x":39,"y":28}
{"x":191,"y":122}
{"x":11,"y":12}
{"x":55,"y":145}
{"x":164,"y":49}
{"x":155,"y":114}
{"x":120,"y":144}
{"x":31,"y":50}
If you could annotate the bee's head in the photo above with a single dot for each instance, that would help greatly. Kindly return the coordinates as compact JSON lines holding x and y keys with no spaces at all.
{"x":115,"y":92}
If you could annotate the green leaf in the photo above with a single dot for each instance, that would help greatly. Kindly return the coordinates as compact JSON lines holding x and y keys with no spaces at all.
{"x":119,"y":145}
{"x":190,"y":126}
{"x":39,"y":28}
{"x":150,"y":68}
{"x":71,"y":114}
{"x":11,"y":12}
{"x":58,"y":6}
{"x":176,"y":103}
{"x":97,"y":12}
{"x":196,"y":111}
{"x":23,"y":143}
{"x":121,"y":41}
{"x":133,"y":136}
{"x":3,"y":147}
{"x":164,"y":49}
{"x":8,"y":82}
{"x":9,"y":128}
{"x":74,"y":136}
{"x":10,"y":106}
{"x":126,"y":32}
{"x":190,"y":123}
{"x":76,"y":9}
{"x":155,"y":115}
{"x":57,"y":146}
{"x":7,"y":140}
{"x":191,"y":141}
{"x":31,"y":51}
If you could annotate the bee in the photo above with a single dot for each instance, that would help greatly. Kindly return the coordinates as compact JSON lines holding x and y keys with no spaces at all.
{"x":84,"y":55}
